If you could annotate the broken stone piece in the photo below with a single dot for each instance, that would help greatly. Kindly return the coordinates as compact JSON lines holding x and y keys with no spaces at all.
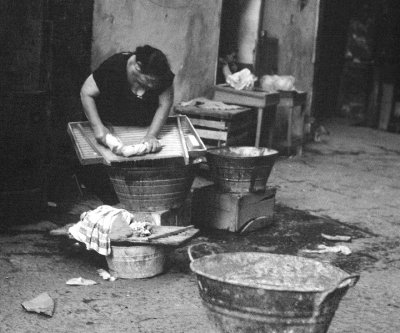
{"x":80,"y":281}
{"x":41,"y":304}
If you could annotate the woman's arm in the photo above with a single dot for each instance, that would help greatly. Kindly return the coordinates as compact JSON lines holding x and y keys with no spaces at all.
{"x":89,"y":92}
{"x":226,"y":70}
{"x":165,"y":102}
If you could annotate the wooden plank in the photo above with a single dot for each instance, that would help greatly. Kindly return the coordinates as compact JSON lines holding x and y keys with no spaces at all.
{"x":222,"y":125}
{"x":233,"y":139}
{"x":170,"y":233}
{"x":260,"y":113}
{"x":92,"y":144}
{"x":214,"y":135}
{"x":183,"y":141}
{"x":83,"y":150}
{"x":172,"y":240}
{"x":163,"y":236}
{"x":252,"y":98}
{"x":214,"y":113}
{"x":194,"y":143}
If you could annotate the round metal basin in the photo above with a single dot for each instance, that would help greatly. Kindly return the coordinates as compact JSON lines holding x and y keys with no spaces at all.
{"x":241,"y":169}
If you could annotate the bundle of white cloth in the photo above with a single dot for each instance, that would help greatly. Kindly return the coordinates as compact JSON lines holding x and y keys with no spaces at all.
{"x":118,"y":148}
{"x":95,"y":227}
{"x":276,"y":82}
{"x":243,"y":80}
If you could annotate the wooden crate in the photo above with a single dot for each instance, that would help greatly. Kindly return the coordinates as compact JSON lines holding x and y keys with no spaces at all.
{"x":234,"y":127}
{"x":232,"y":211}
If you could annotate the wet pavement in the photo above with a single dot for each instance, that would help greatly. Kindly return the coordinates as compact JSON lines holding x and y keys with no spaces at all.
{"x":35,"y":262}
{"x":346,"y":185}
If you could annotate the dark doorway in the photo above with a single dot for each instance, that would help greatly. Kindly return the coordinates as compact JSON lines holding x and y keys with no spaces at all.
{"x":239,"y":31}
{"x":329,"y":61}
{"x":345,"y":58}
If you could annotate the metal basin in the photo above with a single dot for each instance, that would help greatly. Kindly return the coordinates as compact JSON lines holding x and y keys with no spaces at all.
{"x":261,"y":292}
{"x":241,"y":169}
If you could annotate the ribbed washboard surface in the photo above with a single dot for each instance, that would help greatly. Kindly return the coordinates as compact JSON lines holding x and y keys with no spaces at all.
{"x":91,"y":152}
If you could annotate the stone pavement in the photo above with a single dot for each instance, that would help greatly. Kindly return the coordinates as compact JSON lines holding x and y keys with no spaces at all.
{"x":352,"y":176}
{"x":347,"y":183}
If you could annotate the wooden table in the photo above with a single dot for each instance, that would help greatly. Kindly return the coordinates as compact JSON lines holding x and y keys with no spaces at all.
{"x":261,"y":100}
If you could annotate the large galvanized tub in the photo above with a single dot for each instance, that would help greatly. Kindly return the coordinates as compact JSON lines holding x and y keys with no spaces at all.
{"x":152,"y":188}
{"x":241,"y":169}
{"x":261,"y":292}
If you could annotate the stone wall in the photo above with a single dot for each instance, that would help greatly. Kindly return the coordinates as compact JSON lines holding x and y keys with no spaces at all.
{"x":293,"y":22}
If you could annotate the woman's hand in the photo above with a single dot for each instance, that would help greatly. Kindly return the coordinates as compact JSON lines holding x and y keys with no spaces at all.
{"x":152,"y":143}
{"x":100,"y":133}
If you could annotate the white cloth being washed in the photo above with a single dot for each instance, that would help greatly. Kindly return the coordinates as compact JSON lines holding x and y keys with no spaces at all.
{"x":117,"y":146}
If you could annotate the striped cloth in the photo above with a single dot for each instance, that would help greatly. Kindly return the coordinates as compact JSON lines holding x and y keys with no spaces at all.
{"x":95,"y":225}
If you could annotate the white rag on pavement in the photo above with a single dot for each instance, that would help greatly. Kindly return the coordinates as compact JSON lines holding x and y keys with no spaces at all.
{"x":95,"y":226}
{"x":333,"y":249}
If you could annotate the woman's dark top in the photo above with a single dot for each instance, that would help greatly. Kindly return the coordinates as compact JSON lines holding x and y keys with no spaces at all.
{"x":117,"y":104}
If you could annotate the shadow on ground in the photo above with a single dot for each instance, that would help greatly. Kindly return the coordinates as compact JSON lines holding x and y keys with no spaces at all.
{"x":291,"y":232}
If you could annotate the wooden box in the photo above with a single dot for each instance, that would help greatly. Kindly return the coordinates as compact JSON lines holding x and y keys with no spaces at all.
{"x":232,"y":127}
{"x":232,"y":211}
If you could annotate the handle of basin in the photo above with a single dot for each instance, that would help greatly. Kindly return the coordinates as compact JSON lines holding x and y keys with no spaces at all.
{"x":212,"y":249}
{"x":348,"y":281}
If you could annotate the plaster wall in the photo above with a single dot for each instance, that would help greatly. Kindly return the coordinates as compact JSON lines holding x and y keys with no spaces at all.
{"x":295,"y":27}
{"x":187,"y":31}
